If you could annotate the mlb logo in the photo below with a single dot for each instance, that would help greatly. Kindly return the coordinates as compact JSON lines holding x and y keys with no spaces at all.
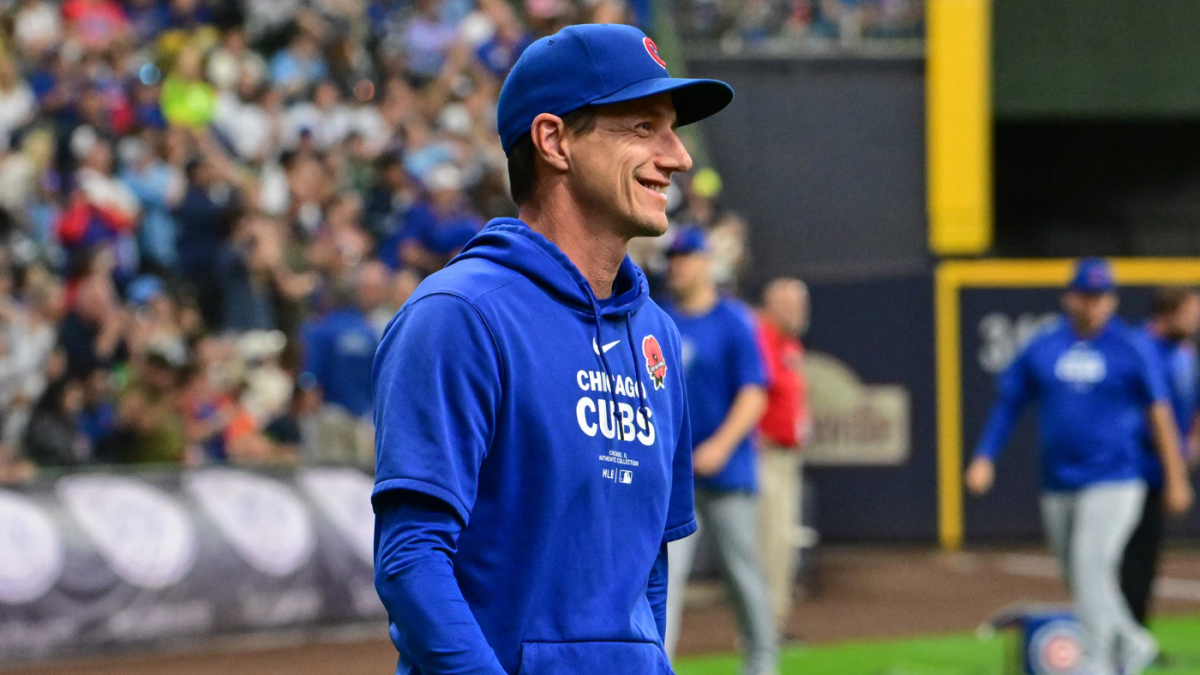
{"x":625,"y":476}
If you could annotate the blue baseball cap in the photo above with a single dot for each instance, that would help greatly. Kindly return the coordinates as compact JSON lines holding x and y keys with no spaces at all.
{"x":688,"y":240}
{"x":596,"y":64}
{"x":144,"y":288}
{"x":1092,"y":275}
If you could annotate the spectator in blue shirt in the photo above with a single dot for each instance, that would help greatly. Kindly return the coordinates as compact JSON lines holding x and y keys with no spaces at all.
{"x":339,"y":349}
{"x":1171,"y":329}
{"x":726,"y":398}
{"x":434,"y":229}
{"x":159,"y":187}
{"x":299,"y":64}
{"x":511,"y":40}
{"x":1097,"y":385}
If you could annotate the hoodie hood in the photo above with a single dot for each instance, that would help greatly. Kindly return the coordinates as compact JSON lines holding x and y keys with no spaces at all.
{"x":513,"y":244}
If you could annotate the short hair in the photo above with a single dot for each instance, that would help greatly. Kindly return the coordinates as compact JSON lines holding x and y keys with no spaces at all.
{"x":1168,"y":300}
{"x":522,"y":159}
{"x":775,"y":285}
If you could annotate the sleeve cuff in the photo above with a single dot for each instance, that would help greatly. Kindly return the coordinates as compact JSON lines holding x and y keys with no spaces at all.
{"x":680,"y":532}
{"x":425,"y":488}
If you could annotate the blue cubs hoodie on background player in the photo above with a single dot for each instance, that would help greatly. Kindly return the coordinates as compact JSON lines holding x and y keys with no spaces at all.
{"x":1092,"y":396}
{"x":495,"y":390}
{"x":720,"y":357}
{"x":1177,"y":361}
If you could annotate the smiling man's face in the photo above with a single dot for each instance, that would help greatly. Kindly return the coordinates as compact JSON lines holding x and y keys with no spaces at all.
{"x":620,"y":170}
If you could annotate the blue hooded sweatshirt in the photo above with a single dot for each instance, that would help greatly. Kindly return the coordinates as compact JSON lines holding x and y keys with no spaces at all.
{"x":495,"y":387}
{"x":1092,"y":396}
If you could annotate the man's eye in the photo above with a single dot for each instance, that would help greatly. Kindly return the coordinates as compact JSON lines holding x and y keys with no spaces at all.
{"x":644,"y":125}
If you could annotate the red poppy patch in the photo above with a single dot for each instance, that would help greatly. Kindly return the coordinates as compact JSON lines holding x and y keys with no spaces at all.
{"x":655,"y":364}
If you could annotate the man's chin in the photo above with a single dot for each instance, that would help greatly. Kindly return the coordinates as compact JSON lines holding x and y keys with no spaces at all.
{"x":647,"y":227}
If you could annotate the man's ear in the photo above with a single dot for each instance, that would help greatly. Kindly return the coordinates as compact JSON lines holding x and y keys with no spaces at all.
{"x":550,"y":140}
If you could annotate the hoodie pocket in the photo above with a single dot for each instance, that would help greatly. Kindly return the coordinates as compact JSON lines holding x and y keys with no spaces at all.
{"x":592,"y":658}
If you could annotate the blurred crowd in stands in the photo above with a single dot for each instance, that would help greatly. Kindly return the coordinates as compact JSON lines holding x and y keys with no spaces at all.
{"x":748,"y":22}
{"x":210,"y":209}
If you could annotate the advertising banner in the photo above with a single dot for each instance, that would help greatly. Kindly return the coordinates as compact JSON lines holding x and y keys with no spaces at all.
{"x":101,"y":560}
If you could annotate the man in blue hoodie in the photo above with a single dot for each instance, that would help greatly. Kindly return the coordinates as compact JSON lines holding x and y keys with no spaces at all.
{"x":533,"y":447}
{"x":1097,"y":386}
{"x":727,"y":397}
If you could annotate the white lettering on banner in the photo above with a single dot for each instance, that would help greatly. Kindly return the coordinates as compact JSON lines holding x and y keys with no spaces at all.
{"x":37,"y":637}
{"x":1003,"y":338}
{"x":263,"y":519}
{"x":344,"y":496}
{"x":156,"y":620}
{"x":265,"y":608}
{"x":143,"y":534}
{"x":31,"y":552}
{"x":596,"y":415}
{"x":366,"y":600}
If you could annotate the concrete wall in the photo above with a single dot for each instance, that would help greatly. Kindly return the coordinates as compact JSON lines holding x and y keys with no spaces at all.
{"x":825,"y":158}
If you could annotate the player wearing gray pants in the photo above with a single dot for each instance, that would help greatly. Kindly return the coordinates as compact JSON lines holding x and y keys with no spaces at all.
{"x":731,"y":518}
{"x":1100,"y":394}
{"x":1087,"y":531}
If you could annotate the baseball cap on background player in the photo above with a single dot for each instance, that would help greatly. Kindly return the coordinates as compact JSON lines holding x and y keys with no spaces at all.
{"x":596,"y":64}
{"x":688,"y":240}
{"x":1093,"y":276}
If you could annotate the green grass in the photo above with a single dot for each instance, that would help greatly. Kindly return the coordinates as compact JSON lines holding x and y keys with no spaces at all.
{"x":949,"y":655}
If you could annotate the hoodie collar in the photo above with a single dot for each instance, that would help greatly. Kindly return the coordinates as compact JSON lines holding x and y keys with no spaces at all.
{"x":512,"y":243}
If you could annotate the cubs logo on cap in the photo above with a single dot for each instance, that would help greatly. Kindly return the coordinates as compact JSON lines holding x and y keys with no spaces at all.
{"x":1093,"y":275}
{"x":655,"y":364}
{"x":652,"y":50}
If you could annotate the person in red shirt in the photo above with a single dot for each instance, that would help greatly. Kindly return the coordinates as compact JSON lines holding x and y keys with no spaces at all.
{"x":783,"y":430}
{"x":94,"y":24}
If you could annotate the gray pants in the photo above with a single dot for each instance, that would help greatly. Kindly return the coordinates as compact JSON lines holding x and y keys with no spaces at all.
{"x":731,"y":518}
{"x":1087,"y":531}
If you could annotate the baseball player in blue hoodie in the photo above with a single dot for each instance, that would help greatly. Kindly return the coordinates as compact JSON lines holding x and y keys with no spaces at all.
{"x":533,"y":444}
{"x":1097,"y":385}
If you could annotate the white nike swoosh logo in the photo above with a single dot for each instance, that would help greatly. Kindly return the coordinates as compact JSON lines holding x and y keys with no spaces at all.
{"x":606,"y":347}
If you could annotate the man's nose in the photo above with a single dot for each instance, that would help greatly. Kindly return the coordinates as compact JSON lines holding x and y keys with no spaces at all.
{"x":675,"y":156}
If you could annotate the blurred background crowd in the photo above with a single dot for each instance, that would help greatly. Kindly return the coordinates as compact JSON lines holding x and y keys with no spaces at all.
{"x":210,"y":209}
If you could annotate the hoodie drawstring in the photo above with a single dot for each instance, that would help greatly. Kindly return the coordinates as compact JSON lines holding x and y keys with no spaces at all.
{"x":612,"y":397}
{"x":637,"y":371}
